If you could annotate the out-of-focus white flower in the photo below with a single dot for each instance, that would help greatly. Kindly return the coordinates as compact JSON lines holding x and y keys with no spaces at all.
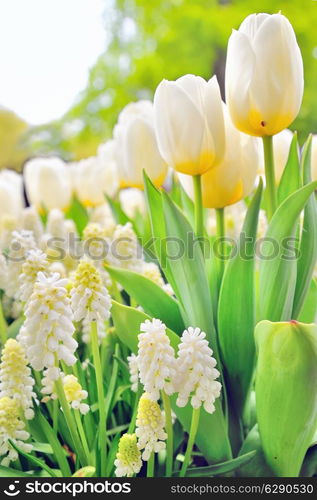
{"x":47,"y":333}
{"x":128,"y":459}
{"x":264,"y":75}
{"x":16,"y":380}
{"x":189,"y":123}
{"x":132,"y":202}
{"x":55,"y":225}
{"x":136,"y":146}
{"x":90,"y":299}
{"x":48,"y":183}
{"x":134,"y":371}
{"x":96,"y":243}
{"x":196,"y":372}
{"x":125,"y":250}
{"x":151,"y":271}
{"x":314,"y":158}
{"x":50,"y":376}
{"x":75,"y":394}
{"x":156,"y":359}
{"x":58,"y":267}
{"x":150,"y":427}
{"x":11,"y":429}
{"x":103,"y":215}
{"x":11,"y":194}
{"x":93,"y":180}
{"x":32,"y":222}
{"x":234,"y":177}
{"x":8,"y":224}
{"x":36,"y":261}
{"x":106,"y":155}
{"x":21,"y":243}
{"x":3,"y":272}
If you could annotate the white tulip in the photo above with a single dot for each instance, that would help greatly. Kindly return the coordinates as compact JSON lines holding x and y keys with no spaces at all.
{"x":136,"y":146}
{"x":234,"y":177}
{"x":11,"y":194}
{"x":95,"y":177}
{"x":48,"y":183}
{"x":264,"y":75}
{"x":132,"y":201}
{"x":189,"y":123}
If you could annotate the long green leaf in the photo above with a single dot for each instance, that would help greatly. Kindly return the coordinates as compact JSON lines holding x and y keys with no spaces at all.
{"x":152,"y":298}
{"x":236,"y":318}
{"x":78,"y":213}
{"x":222,"y":468}
{"x":308,"y":312}
{"x":291,"y":177}
{"x":211,"y":436}
{"x":308,"y":246}
{"x":34,"y":460}
{"x":8,"y":472}
{"x":278,"y":267}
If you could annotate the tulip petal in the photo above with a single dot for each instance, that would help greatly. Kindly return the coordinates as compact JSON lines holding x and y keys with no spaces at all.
{"x":214,"y":113}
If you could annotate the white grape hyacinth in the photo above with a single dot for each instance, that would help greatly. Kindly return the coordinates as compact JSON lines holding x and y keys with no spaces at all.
{"x":134,"y":371}
{"x":150,"y":427}
{"x":89,"y":297}
{"x":16,"y":380}
{"x":75,"y":394}
{"x":36,"y":261}
{"x":12,"y":428}
{"x":156,"y":359}
{"x":125,"y":249}
{"x":21,"y":243}
{"x":196,"y":372}
{"x":3,"y":272}
{"x":47,"y":333}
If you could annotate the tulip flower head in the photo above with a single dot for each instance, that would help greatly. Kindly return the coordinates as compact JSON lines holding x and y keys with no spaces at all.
{"x":136,"y":146}
{"x":189,"y":124}
{"x":11,"y":194}
{"x":48,"y":183}
{"x":264,"y":75}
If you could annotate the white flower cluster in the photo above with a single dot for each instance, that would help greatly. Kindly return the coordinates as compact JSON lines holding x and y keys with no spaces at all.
{"x":151,"y":271}
{"x":50,"y":375}
{"x":134,"y":371}
{"x":196,"y":372}
{"x":125,"y":249}
{"x":156,"y":359}
{"x":150,"y":427}
{"x":192,"y":374}
{"x":75,"y":394}
{"x":3,"y":272}
{"x":128,"y":460}
{"x":21,"y":243}
{"x":11,"y":429}
{"x":36,"y":261}
{"x":47,"y":333}
{"x":16,"y":381}
{"x":89,"y":298}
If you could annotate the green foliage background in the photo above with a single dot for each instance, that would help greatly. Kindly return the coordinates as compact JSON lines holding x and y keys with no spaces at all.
{"x":149,"y":40}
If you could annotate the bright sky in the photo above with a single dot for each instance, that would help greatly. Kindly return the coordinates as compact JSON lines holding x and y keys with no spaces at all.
{"x":46,"y":50}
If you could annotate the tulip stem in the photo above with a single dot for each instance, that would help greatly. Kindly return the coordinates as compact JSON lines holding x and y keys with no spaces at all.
{"x":191,"y":440}
{"x":271,"y":198}
{"x":199,"y":214}
{"x":221,"y":234}
{"x":101,"y":397}
{"x":169,"y":430}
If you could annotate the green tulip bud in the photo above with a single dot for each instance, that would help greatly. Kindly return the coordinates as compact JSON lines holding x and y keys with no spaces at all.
{"x":286,"y":392}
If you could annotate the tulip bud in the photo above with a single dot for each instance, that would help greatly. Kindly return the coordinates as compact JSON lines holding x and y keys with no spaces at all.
{"x":96,"y":177}
{"x":264,"y":75}
{"x":11,"y":194}
{"x":48,"y":183}
{"x":234,"y":177}
{"x":136,"y":146}
{"x":286,"y":396}
{"x":189,"y":124}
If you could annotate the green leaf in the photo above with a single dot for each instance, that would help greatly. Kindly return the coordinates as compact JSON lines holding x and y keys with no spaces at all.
{"x":120,"y":216}
{"x":291,"y":177}
{"x":152,"y":298}
{"x":211,"y":436}
{"x":308,"y":312}
{"x":308,"y":245}
{"x":8,"y":472}
{"x":78,"y":213}
{"x":87,"y":471}
{"x":222,"y":468}
{"x":14,"y":327}
{"x":58,"y":450}
{"x":43,"y":448}
{"x":33,"y":460}
{"x":236,"y":318}
{"x":278,"y":266}
{"x":127,"y":321}
{"x":257,"y":467}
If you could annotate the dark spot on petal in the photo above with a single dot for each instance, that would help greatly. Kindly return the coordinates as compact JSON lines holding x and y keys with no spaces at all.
{"x":263,"y":123}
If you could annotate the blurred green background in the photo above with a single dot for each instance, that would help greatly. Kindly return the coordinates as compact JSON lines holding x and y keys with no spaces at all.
{"x":151,"y":40}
